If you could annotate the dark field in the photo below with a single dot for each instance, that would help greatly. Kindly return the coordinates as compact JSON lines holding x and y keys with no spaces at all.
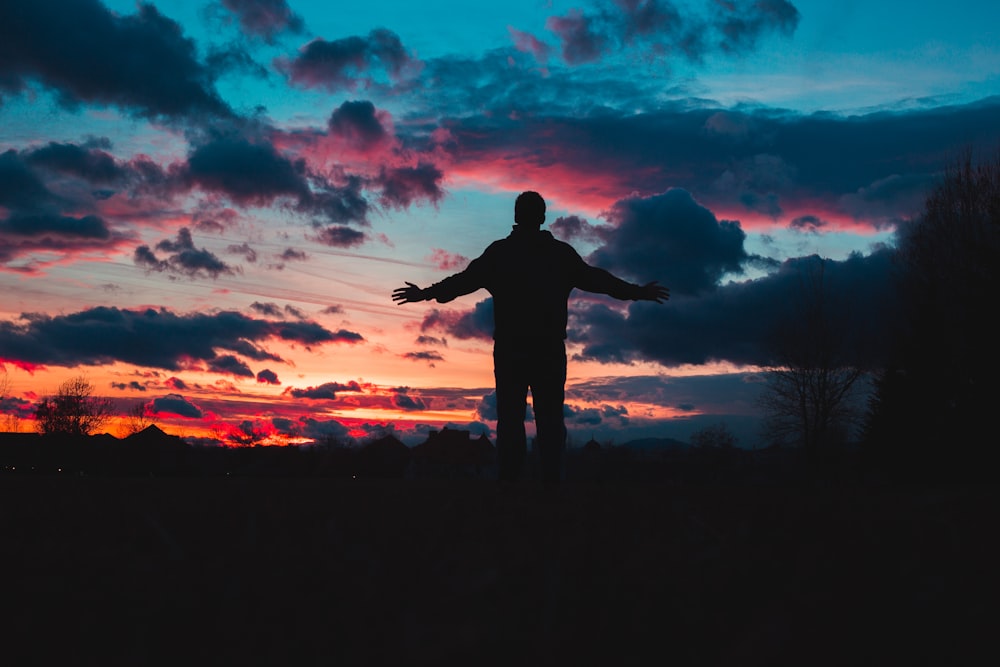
{"x":120,"y":571}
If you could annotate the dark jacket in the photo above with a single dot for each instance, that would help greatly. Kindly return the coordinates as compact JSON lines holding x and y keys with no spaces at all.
{"x":530,"y":275}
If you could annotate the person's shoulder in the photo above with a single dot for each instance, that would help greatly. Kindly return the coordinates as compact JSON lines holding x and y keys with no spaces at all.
{"x":560,"y":246}
{"x":497,"y":245}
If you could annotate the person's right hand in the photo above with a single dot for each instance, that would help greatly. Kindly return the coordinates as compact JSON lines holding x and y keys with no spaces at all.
{"x":409,"y":294}
{"x":654,"y":291}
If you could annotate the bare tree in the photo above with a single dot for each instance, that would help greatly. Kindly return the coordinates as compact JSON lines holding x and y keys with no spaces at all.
{"x":74,"y":410}
{"x":11,"y":421}
{"x":136,"y":419}
{"x":812,"y":396}
{"x":715,"y":436}
{"x":248,"y":433}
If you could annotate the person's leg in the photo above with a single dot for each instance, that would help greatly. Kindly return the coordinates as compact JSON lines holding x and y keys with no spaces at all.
{"x":512,"y":395}
{"x":548,"y":387}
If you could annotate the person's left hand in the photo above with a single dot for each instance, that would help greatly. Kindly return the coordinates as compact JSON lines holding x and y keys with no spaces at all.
{"x":409,"y":294}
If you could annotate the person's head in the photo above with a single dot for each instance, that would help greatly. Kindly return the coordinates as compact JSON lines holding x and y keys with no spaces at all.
{"x":529,"y":209}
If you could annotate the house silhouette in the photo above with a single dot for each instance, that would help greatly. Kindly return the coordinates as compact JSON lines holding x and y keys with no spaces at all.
{"x":454,"y":453}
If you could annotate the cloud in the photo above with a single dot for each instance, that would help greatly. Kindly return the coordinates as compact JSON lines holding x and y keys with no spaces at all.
{"x":292,"y":255}
{"x":228,"y":364}
{"x":76,"y":49}
{"x":149,"y":338}
{"x":233,"y":58}
{"x":49,"y":226}
{"x":326,"y":391}
{"x":324,"y":430}
{"x":91,"y":164}
{"x":244,"y":249}
{"x":17,"y":407}
{"x":429,"y":357}
{"x":267,"y":376}
{"x":359,"y":125}
{"x":176,"y":383}
{"x":431,"y":340}
{"x":20,"y":187}
{"x":730,"y":393}
{"x":616,"y":415}
{"x":884,"y":199}
{"x":477,"y":323}
{"x":737,"y":322}
{"x":406,"y":402}
{"x":487,"y":407}
{"x":447,"y":261}
{"x":359,"y":152}
{"x":582,"y":41}
{"x":175,"y":404}
{"x":266,"y":309}
{"x":183,"y":258}
{"x":808,"y":223}
{"x":573,"y":228}
{"x":402,"y":186}
{"x":27,"y":234}
{"x":350,"y":62}
{"x":133,"y":385}
{"x":265,"y":18}
{"x":657,"y":29}
{"x":671,"y":238}
{"x":786,"y":164}
{"x":757,"y":183}
{"x":53,"y":198}
{"x":340,"y":236}
{"x":530,"y":44}
{"x":309,"y":333}
{"x":287,"y":426}
{"x":339,"y":204}
{"x":249,"y":173}
{"x":742,"y":24}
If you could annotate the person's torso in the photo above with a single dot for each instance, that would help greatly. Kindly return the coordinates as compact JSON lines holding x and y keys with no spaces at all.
{"x":530,"y":278}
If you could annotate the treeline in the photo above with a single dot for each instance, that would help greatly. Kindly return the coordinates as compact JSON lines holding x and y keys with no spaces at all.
{"x":931,"y":415}
{"x":445,"y":455}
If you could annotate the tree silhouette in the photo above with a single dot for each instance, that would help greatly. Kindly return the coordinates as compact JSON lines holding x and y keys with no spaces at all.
{"x":74,"y":410}
{"x":136,"y":419}
{"x":938,"y":390}
{"x":248,"y":433}
{"x":813,"y":382}
{"x":10,"y":420}
{"x":716,"y":435}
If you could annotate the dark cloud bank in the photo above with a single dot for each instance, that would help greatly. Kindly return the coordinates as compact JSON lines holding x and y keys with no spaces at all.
{"x":76,"y":49}
{"x":156,"y":339}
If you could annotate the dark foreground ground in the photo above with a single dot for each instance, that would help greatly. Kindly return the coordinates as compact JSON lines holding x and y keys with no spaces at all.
{"x":119,"y":571}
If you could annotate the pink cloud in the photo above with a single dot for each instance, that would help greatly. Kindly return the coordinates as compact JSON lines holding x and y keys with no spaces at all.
{"x":447,"y":261}
{"x":528,"y":43}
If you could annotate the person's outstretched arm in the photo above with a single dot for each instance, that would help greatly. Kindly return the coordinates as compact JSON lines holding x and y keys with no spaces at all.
{"x":594,"y":279}
{"x":464,"y":282}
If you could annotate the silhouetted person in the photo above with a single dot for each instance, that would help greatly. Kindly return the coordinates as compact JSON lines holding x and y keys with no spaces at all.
{"x":530,"y":275}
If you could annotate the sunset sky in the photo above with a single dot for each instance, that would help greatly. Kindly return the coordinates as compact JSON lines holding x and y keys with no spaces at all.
{"x":206,"y":205}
